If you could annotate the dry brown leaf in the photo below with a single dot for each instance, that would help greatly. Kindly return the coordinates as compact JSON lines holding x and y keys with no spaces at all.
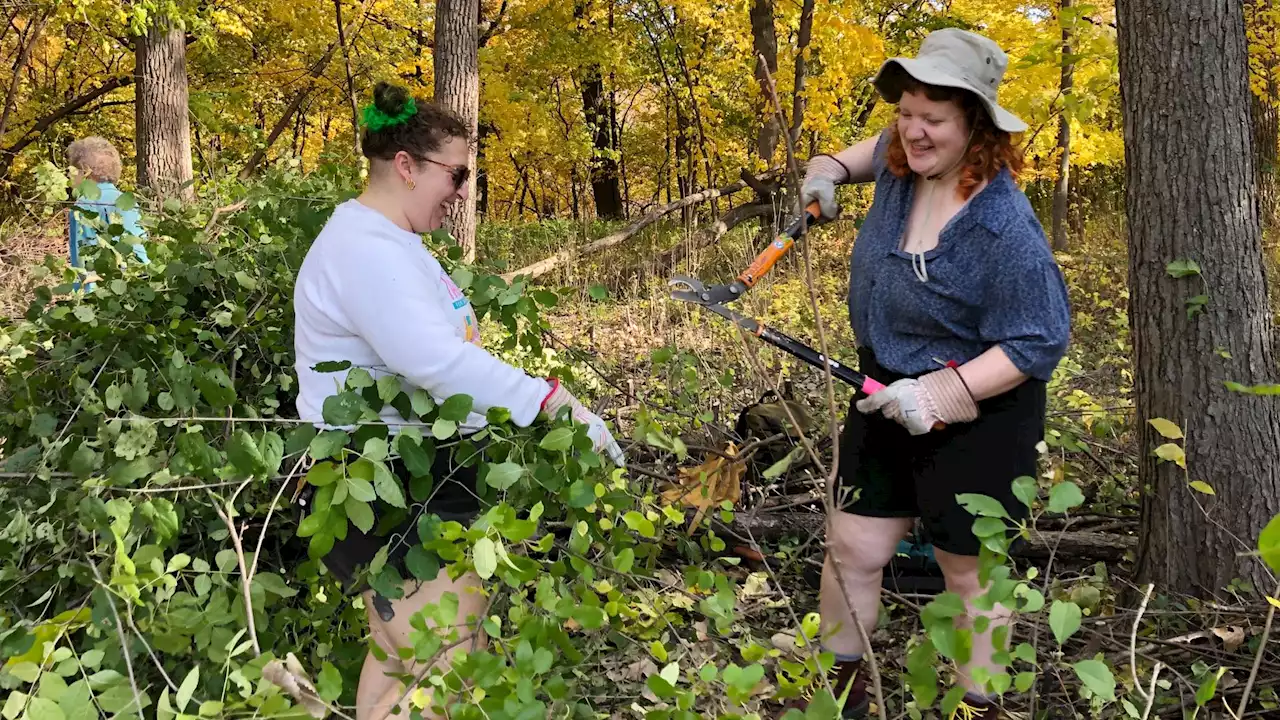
{"x":1232,"y":637}
{"x":292,"y":678}
{"x":715,"y":481}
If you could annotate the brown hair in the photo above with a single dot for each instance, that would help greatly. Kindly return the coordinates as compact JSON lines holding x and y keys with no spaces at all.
{"x":990,"y":150}
{"x":421,"y":133}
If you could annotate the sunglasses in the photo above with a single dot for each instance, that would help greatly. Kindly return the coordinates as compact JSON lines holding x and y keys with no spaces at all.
{"x":460,"y":173}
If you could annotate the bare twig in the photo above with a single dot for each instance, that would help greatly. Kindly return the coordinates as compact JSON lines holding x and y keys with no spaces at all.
{"x":244,"y":573}
{"x":1133,"y":641}
{"x":124,"y":643}
{"x":793,"y":175}
{"x":1257,"y":661}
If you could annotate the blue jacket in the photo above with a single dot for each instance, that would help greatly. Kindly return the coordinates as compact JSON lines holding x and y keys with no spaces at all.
{"x":992,"y":281}
{"x":82,"y":232}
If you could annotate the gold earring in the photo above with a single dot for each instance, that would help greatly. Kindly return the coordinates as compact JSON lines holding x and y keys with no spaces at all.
{"x":410,"y":183}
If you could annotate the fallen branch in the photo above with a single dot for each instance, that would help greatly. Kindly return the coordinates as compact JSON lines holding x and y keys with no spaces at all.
{"x":546,"y":265}
{"x":704,"y":239}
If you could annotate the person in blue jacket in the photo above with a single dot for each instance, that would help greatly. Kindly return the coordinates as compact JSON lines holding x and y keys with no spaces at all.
{"x":96,"y":159}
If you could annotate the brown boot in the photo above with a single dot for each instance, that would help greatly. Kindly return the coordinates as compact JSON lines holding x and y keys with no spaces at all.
{"x":852,"y":674}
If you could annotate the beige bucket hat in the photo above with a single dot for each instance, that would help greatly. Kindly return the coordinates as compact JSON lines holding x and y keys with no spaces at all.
{"x":958,"y":59}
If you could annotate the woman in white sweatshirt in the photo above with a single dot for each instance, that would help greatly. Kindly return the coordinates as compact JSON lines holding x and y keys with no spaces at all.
{"x":370,"y":293}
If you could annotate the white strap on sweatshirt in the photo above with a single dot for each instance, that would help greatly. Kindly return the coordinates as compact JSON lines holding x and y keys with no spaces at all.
{"x":370,"y":293}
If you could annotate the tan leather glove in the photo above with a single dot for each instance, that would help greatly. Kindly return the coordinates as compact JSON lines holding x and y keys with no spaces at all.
{"x":918,"y":404}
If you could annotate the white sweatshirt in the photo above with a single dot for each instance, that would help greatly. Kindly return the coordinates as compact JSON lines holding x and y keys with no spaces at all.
{"x":369,"y":292}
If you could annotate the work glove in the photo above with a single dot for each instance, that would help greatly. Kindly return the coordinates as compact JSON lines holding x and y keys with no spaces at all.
{"x":823,"y":174}
{"x":602,"y":440}
{"x":922,"y":404}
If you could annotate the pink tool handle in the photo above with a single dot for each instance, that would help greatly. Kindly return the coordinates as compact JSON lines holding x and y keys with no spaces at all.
{"x":870,"y":386}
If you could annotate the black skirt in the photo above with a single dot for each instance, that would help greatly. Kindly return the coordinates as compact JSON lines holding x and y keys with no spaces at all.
{"x":453,"y":497}
{"x":897,"y":474}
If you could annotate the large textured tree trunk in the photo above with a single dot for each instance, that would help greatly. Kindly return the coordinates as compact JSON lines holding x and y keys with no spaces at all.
{"x":1062,"y":187}
{"x":1190,"y":197}
{"x":160,"y":111}
{"x":457,"y":87}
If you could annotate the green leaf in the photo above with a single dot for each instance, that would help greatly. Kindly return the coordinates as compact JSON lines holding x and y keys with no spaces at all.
{"x":331,"y":366}
{"x":342,"y":409}
{"x":243,"y":453}
{"x":988,"y":526}
{"x":359,"y":513}
{"x":983,"y":505}
{"x":387,"y":485}
{"x":1064,"y":620}
{"x":187,"y":688}
{"x":415,"y":459}
{"x":422,"y":563}
{"x":388,"y":388}
{"x":323,"y":473}
{"x":457,"y":408}
{"x":83,"y":462}
{"x":624,"y":560}
{"x":598,"y":292}
{"x":1183,"y":268}
{"x":329,"y":683}
{"x":1064,"y":496}
{"x":274,"y":584}
{"x":1166,"y":428}
{"x":776,"y":470}
{"x":1172,"y":452}
{"x":640,"y":524}
{"x":271,"y":446}
{"x":44,"y":709}
{"x":361,"y":489}
{"x":247,"y":283}
{"x":327,"y":444}
{"x":299,"y":439}
{"x":358,"y":379}
{"x":126,"y":202}
{"x":504,"y":475}
{"x":1269,"y":544}
{"x":1209,"y":687}
{"x":485,"y":558}
{"x":1097,"y":677}
{"x":1023,"y":681}
{"x":1024,"y":488}
{"x":422,"y":402}
{"x":558,"y":440}
{"x":376,"y":449}
{"x":443,"y":429}
{"x":590,"y":618}
{"x":1202,"y":486}
{"x":43,"y":425}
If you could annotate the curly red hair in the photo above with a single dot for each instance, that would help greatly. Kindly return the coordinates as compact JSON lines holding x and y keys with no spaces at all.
{"x":991,"y":150}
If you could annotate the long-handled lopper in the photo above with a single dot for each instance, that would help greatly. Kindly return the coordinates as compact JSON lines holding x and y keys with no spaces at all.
{"x":693,"y":290}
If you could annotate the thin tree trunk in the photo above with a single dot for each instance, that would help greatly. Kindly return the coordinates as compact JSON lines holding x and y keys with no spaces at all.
{"x":1190,"y":195}
{"x":1263,"y":105}
{"x":161,"y":111}
{"x":24,"y":57}
{"x":1062,"y":186}
{"x":457,"y":87}
{"x":351,"y":84}
{"x":802,"y":44}
{"x":764,"y":41}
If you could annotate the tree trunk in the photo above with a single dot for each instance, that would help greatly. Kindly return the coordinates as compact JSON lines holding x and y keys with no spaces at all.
{"x":1063,"y":186}
{"x":27,"y":43}
{"x":351,"y":85}
{"x":1266,"y":139}
{"x":604,"y":160}
{"x":802,"y":45}
{"x":764,"y":41}
{"x":457,"y":88}
{"x":1190,"y":195}
{"x":163,"y":130}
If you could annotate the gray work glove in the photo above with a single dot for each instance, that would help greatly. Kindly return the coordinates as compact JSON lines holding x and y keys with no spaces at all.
{"x":823,"y":174}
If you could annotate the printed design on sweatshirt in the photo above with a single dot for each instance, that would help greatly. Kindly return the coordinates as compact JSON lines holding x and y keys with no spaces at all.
{"x":470,"y":330}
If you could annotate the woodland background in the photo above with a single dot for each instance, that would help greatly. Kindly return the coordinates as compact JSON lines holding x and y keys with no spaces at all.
{"x":146,"y":435}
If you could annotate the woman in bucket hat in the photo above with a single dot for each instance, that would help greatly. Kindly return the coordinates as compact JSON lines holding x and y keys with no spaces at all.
{"x":960,"y":309}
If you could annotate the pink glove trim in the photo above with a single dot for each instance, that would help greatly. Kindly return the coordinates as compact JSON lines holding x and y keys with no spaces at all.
{"x":871,"y":385}
{"x":555,"y":385}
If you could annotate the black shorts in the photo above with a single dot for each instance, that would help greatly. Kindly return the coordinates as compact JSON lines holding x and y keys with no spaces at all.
{"x":453,"y":497}
{"x":896,"y":474}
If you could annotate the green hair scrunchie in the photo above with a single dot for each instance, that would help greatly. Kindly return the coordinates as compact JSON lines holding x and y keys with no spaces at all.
{"x":376,"y":120}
